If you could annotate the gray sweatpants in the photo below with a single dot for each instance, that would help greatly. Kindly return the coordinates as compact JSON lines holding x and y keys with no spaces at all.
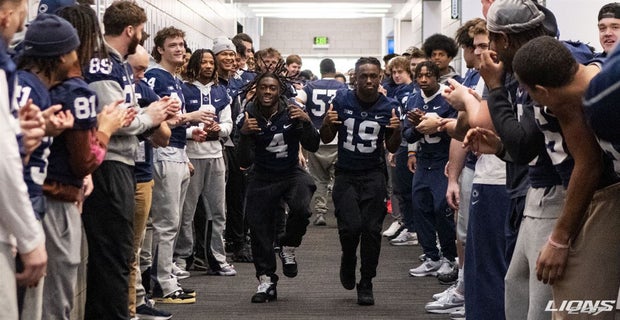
{"x":209,"y":181}
{"x":63,"y":238}
{"x":526,"y":297}
{"x":321,"y":166}
{"x":171,"y":181}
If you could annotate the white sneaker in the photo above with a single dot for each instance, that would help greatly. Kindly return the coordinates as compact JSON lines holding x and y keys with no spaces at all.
{"x":178,"y":272}
{"x":392,"y":229}
{"x":226,"y":270}
{"x":447,"y":267}
{"x":427,"y":268}
{"x":447,"y":304}
{"x":438,"y":296}
{"x":405,"y":238}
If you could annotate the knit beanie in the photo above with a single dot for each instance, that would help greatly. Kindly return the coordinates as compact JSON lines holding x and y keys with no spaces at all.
{"x":513,"y":16}
{"x":223,"y":44}
{"x":50,"y":6}
{"x":50,"y":35}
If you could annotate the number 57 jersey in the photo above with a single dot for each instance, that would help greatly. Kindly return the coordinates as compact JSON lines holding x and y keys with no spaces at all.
{"x":320,"y":94}
{"x":361,"y":134}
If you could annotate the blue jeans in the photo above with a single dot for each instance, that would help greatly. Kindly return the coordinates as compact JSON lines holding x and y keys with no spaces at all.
{"x":432,"y":213}
{"x":402,"y":182}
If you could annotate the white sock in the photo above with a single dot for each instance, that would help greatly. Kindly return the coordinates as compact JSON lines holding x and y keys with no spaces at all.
{"x":460,"y":285}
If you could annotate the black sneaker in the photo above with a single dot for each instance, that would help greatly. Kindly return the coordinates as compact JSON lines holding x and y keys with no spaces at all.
{"x":266,"y":290}
{"x":364,"y":294}
{"x":397,"y":233}
{"x":244,"y":254}
{"x":289,"y":264}
{"x":347,"y":272}
{"x":146,"y":312}
{"x":449,"y":278}
{"x":189,"y":292}
{"x":199,"y":264}
{"x":177,"y":297}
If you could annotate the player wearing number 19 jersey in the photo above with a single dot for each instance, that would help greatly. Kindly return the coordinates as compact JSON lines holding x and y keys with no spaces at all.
{"x":363,"y":119}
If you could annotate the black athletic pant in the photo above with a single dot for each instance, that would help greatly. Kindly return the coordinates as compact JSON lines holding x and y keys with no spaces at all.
{"x":359,"y":200}
{"x":108,"y":221}
{"x":265,"y":193}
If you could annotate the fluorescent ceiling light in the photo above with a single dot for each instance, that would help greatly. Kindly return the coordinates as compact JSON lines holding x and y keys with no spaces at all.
{"x":313,"y":10}
{"x":343,"y":5}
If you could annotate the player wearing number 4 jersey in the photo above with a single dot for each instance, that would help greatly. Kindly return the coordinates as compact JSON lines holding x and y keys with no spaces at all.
{"x":363,"y":119}
{"x":271,"y":132}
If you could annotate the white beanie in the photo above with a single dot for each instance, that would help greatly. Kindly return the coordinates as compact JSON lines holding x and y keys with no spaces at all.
{"x":223,"y":44}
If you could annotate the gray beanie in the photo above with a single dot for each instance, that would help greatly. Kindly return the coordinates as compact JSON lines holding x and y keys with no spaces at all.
{"x":50,"y":35}
{"x":223,"y":44}
{"x":513,"y":16}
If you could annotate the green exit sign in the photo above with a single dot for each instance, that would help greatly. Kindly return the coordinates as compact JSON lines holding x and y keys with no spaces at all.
{"x":321,"y":41}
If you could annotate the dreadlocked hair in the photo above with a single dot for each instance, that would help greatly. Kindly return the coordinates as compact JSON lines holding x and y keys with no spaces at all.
{"x":84,"y":20}
{"x":45,"y":65}
{"x":193,"y":66}
{"x":278,"y":73}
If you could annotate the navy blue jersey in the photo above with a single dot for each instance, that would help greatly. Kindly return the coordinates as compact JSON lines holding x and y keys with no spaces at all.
{"x":542,"y":172}
{"x":10,"y":69}
{"x":389,"y":87}
{"x":144,"y":157}
{"x":238,"y":82}
{"x":216,"y":96}
{"x":472,"y":76}
{"x":73,"y":95}
{"x":29,"y":86}
{"x":403,"y":92}
{"x":601,"y":107}
{"x":471,"y":79}
{"x":144,"y":94}
{"x":165,"y":84}
{"x":276,"y":146}
{"x":554,"y":142}
{"x":361,"y":134}
{"x":320,"y":94}
{"x":434,"y":148}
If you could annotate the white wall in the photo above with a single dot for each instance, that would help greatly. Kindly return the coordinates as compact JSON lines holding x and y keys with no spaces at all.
{"x":405,"y":37}
{"x":202,"y":20}
{"x":347,"y":37}
{"x":431,"y":18}
{"x":577,"y":19}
